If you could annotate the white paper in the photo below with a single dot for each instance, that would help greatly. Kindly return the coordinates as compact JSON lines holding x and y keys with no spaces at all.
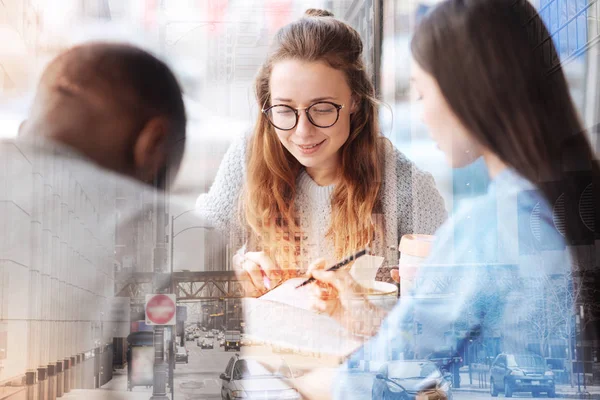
{"x":283,"y":317}
{"x":287,"y":293}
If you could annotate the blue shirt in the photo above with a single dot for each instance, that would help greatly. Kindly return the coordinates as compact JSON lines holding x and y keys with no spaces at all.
{"x":483,"y":279}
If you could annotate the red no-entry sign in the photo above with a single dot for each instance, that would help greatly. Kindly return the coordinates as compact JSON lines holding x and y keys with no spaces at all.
{"x":160,"y":309}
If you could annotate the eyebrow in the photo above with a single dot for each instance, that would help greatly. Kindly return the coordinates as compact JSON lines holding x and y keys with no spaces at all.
{"x":312,"y":100}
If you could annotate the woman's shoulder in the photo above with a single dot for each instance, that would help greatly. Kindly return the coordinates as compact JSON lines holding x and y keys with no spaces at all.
{"x":397,"y":161}
{"x":234,"y":160}
{"x":387,"y":149}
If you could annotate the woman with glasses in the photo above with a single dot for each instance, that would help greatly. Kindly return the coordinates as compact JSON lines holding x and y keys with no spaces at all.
{"x":317,"y":178}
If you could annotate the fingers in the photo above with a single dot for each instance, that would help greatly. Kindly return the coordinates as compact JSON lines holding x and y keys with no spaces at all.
{"x":256,"y":275}
{"x":328,"y":277}
{"x":273,"y":272}
{"x":264,"y":274}
{"x":323,"y":291}
{"x":318,"y":264}
{"x":323,"y":299}
{"x":395,"y":275}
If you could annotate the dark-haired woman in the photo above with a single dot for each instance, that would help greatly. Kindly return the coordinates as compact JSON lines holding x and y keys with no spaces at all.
{"x":498,"y":263}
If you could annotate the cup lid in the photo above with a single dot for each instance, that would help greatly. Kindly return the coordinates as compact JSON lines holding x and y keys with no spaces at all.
{"x":417,"y":245}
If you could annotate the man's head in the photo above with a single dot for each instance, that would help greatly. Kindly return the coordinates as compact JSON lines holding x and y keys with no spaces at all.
{"x":118,"y":105}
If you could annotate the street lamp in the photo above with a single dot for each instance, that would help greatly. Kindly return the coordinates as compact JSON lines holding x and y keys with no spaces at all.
{"x":174,"y":235}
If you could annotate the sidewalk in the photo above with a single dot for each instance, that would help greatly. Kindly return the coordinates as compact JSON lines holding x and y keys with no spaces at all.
{"x":562,"y":391}
{"x":115,"y":389}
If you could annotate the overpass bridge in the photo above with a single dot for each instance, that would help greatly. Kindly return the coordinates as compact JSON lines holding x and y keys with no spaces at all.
{"x":187,"y":285}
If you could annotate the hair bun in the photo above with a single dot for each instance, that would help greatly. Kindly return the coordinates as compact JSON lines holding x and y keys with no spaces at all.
{"x":316,"y":12}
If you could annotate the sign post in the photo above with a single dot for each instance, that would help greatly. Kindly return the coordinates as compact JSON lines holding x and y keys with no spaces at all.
{"x":160,"y":311}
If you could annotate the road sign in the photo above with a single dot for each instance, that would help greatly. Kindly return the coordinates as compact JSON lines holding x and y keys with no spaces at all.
{"x":160,"y":309}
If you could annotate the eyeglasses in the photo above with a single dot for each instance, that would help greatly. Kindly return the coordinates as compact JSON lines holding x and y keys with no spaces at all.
{"x":323,"y":114}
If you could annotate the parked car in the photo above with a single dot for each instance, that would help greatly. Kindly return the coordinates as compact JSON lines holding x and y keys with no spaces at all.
{"x":207,"y":344}
{"x":449,"y":361}
{"x":247,"y":377}
{"x":558,"y":366}
{"x":411,"y":380}
{"x":181,"y":356}
{"x":527,"y":372}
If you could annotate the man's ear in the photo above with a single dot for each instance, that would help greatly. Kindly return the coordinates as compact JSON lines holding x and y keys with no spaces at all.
{"x":150,"y":149}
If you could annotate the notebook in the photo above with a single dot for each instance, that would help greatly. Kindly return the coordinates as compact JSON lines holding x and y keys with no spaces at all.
{"x":283,"y":317}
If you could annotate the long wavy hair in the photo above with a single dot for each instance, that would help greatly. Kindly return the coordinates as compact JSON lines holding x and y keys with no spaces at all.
{"x":272,"y":171}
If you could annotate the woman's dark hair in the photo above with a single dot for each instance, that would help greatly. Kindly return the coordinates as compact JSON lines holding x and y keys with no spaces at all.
{"x":500,"y":82}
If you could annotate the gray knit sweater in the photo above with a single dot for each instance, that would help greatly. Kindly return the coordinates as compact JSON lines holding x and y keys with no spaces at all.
{"x":410,"y":202}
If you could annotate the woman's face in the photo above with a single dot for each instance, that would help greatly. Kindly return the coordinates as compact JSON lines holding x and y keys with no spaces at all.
{"x":301,"y":84}
{"x":450,"y":135}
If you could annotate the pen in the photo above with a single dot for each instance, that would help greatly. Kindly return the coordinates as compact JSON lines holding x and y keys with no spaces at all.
{"x":339,"y":265}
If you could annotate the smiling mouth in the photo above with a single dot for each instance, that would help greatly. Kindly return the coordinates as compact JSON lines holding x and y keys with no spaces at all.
{"x":309,"y":146}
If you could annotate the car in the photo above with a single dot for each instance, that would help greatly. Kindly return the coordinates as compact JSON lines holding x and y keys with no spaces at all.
{"x":247,"y":377}
{"x":210,"y":335}
{"x":411,"y":380}
{"x":449,"y":361}
{"x":222,"y":343}
{"x":181,"y":355}
{"x":207,"y":344}
{"x":232,"y":340}
{"x":524,"y":372}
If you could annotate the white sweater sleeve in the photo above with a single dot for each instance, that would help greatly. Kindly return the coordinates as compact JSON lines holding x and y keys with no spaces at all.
{"x":421,"y":207}
{"x":220,"y":206}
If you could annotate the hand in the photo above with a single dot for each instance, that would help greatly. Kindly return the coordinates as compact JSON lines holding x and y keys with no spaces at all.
{"x":395,"y":273}
{"x":333,"y":290}
{"x":338,"y":295}
{"x":262,"y":272}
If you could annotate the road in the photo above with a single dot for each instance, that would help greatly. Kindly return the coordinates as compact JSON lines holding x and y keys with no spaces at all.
{"x":199,"y":379}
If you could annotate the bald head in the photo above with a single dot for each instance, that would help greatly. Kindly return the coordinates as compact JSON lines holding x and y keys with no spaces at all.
{"x":115,"y":103}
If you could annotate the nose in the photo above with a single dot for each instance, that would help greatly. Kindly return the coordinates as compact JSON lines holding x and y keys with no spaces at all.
{"x":304,"y":127}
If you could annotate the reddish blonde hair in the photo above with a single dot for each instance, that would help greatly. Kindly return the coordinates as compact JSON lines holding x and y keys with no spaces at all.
{"x":272,"y":171}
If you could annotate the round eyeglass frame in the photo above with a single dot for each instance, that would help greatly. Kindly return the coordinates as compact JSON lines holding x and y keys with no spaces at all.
{"x":338,"y":107}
